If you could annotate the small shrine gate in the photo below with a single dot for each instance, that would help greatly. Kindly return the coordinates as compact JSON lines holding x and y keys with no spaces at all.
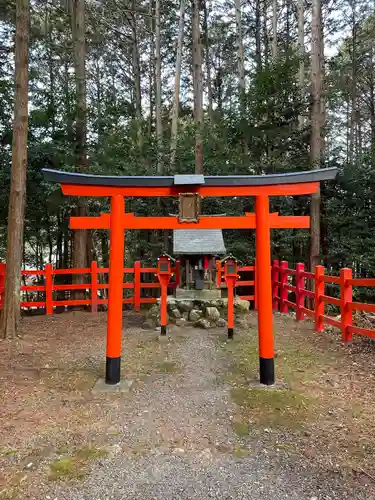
{"x":190,"y":189}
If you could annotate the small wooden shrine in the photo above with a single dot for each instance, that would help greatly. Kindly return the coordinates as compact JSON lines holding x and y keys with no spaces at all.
{"x":198,"y":250}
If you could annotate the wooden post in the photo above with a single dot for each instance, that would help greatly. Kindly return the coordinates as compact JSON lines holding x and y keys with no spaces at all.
{"x":264,"y":289}
{"x":218,"y":274}
{"x":275,"y":286}
{"x":137,"y":285}
{"x":187,"y":268}
{"x":283,"y":289}
{"x":49,"y":288}
{"x":319,"y":303}
{"x":346,"y":297}
{"x":116,"y":276}
{"x":300,"y":287}
{"x":94,"y":286}
{"x":2,"y":283}
{"x":178,"y":273}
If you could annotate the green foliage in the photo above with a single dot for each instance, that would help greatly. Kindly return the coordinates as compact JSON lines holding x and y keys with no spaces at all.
{"x":257,"y":134}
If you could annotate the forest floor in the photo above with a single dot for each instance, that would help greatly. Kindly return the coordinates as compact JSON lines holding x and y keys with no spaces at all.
{"x":192,"y":427}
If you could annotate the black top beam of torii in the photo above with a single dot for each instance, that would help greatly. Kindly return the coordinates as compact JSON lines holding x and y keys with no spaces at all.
{"x":72,"y":178}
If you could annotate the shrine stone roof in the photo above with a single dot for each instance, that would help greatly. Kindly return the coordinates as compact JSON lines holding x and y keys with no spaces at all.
{"x":198,"y":242}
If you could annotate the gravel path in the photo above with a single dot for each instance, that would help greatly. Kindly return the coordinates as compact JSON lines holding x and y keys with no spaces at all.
{"x":176,"y":442}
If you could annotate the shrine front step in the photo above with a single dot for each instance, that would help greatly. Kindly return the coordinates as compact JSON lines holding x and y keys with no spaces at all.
{"x":197,"y":294}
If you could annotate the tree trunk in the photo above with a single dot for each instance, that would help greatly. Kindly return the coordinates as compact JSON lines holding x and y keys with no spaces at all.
{"x":372,"y":110}
{"x":274,"y":29}
{"x":258,"y":44}
{"x":353,"y":95}
{"x":11,"y":307}
{"x":197,"y":79}
{"x":177,"y":83}
{"x":240,"y":54}
{"x":265,"y":31}
{"x":207,"y":60}
{"x":81,"y":163}
{"x":67,"y":106}
{"x":241,"y":72}
{"x":151,"y":71}
{"x":136,"y":76}
{"x":301,"y":53}
{"x":51,"y":74}
{"x":316,"y":127}
{"x":159,"y":130}
{"x":287,"y":26}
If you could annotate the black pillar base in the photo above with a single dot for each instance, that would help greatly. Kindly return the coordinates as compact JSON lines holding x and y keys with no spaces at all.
{"x":230,"y":333}
{"x":163,"y":330}
{"x":267,"y":371}
{"x":112,"y":371}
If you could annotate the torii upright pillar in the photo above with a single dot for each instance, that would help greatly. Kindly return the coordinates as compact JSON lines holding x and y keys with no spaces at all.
{"x":116,"y":274}
{"x":264,"y":291}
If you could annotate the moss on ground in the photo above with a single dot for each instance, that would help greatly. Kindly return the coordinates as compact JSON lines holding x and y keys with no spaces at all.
{"x":167,"y":367}
{"x":75,"y":467}
{"x":5,"y":452}
{"x":314,"y":414}
{"x":148,"y":357}
{"x":241,"y":452}
{"x":240,"y":428}
{"x":278,"y":408}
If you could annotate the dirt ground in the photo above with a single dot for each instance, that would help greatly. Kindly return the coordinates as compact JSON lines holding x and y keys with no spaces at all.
{"x":192,"y":408}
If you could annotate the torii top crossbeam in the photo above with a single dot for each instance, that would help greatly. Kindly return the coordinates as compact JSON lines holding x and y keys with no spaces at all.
{"x":289,"y":184}
{"x":260,"y":186}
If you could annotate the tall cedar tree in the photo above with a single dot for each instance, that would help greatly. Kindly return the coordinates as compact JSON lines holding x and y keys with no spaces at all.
{"x":316,"y":149}
{"x":80,"y":242}
{"x":16,"y":213}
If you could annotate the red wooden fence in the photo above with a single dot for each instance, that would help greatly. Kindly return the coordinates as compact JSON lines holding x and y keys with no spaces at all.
{"x":282,"y":279}
{"x":285,"y":281}
{"x":48,"y":287}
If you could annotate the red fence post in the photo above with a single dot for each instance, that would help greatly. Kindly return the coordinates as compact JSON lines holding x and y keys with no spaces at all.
{"x":283,"y":289}
{"x":137,"y":285}
{"x":2,"y":283}
{"x":346,"y":296}
{"x":49,"y":288}
{"x":319,"y":302}
{"x":300,"y":287}
{"x":275,"y":287}
{"x":94,"y":286}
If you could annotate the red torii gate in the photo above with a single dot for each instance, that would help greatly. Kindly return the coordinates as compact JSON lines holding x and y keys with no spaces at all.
{"x":119,"y":187}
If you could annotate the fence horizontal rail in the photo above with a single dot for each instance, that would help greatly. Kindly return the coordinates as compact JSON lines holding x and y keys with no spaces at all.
{"x":331,"y":300}
{"x":330,"y":321}
{"x":330,"y":279}
{"x":362,"y":282}
{"x":361,"y":331}
{"x":360,"y":306}
{"x":308,"y":312}
{"x":308,"y":275}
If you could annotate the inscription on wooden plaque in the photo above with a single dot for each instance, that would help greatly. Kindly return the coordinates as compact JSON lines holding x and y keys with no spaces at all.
{"x":190,"y":204}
